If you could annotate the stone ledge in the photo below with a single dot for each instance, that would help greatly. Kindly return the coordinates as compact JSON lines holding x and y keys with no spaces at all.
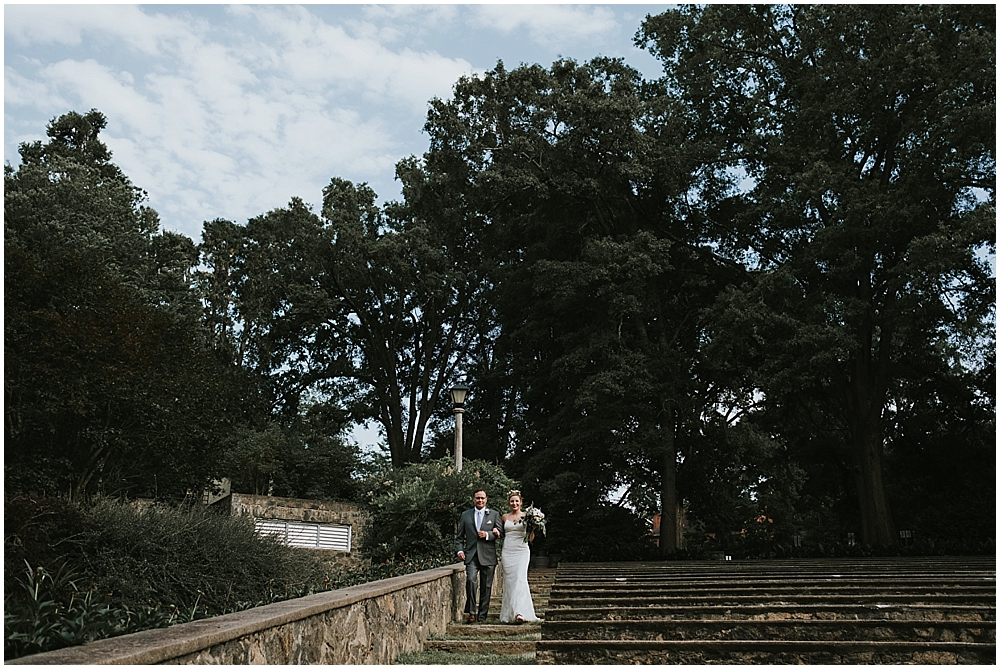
{"x":165,"y":644}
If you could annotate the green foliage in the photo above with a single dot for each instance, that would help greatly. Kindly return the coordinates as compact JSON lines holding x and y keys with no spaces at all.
{"x":305,"y":457}
{"x":188,"y":557}
{"x":441,"y":657}
{"x":574,"y":179}
{"x":109,"y":384}
{"x":54,"y":612}
{"x":415,"y":510}
{"x":387,"y":569}
{"x":112,"y":569}
{"x":362,"y":307}
{"x":866,"y":136}
{"x":42,"y":531}
{"x":598,"y":533}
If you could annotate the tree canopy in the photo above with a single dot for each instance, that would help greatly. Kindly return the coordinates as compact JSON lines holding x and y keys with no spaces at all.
{"x":108,"y":381}
{"x":867,"y":137}
{"x":754,"y":296}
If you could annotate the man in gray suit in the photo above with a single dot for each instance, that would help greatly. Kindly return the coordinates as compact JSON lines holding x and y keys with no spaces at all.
{"x":476,"y":544}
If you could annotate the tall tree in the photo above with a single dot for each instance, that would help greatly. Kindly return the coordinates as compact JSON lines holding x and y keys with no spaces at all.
{"x":574,"y":178}
{"x":407,"y":300}
{"x":108,"y":381}
{"x":361,"y":308}
{"x":858,"y":142}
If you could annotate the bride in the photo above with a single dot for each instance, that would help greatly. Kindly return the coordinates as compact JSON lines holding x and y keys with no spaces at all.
{"x":516,"y":606}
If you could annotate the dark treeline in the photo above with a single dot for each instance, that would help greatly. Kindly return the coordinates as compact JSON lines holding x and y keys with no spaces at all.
{"x":758,"y":289}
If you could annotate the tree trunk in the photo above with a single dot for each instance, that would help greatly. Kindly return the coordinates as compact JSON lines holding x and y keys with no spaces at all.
{"x":865,"y":405}
{"x":668,"y":511}
{"x":877,"y":527}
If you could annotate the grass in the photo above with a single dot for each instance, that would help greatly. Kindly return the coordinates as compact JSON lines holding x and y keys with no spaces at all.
{"x":529,"y":636}
{"x":444,"y":657}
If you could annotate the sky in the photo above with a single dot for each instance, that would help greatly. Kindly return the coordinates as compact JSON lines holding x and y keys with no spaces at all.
{"x":229,"y":111}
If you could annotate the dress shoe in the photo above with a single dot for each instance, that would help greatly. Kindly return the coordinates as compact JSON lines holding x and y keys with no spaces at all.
{"x":471,"y":619}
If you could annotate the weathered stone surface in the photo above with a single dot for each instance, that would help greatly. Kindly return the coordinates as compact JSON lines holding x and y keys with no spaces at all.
{"x":826,"y":611}
{"x":789,"y":630}
{"x":364,"y":624}
{"x":774,"y":652}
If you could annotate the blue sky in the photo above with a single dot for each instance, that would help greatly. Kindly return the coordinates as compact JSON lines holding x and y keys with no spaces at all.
{"x":229,"y":111}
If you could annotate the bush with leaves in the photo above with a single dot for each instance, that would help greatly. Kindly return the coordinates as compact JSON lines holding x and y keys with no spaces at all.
{"x":49,"y":611}
{"x":415,"y":509}
{"x":178,"y":557}
{"x":111,"y":568}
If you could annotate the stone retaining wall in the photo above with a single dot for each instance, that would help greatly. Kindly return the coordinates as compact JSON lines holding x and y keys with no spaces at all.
{"x":305,"y":510}
{"x":363,"y":624}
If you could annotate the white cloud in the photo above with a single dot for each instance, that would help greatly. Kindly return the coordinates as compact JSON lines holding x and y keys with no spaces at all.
{"x":232,"y":125}
{"x":228,"y":112}
{"x":67,"y":24}
{"x":24,"y":91}
{"x":315,"y":55}
{"x":550,"y":25}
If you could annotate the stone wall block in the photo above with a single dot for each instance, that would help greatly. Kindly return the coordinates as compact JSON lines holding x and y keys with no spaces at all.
{"x":366,"y":624}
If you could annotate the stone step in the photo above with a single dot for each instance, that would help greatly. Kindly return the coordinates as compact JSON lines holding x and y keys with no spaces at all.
{"x":497,"y":646}
{"x":539,"y":602}
{"x":786,"y":630}
{"x":950,"y":563}
{"x":780,"y":611}
{"x":761,"y":652}
{"x":494,"y":615}
{"x":695,"y":576}
{"x":721,"y":580}
{"x":483,"y":630}
{"x":840,"y":570}
{"x":640,"y":584}
{"x":723,"y":599}
{"x":624,"y":589}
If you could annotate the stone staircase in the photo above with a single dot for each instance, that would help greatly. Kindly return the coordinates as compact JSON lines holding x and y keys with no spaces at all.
{"x":834,"y":611}
{"x":491,"y":642}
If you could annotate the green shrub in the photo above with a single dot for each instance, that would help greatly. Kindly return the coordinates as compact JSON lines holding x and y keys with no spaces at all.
{"x":53,"y":612}
{"x":415,"y":509}
{"x":139,"y":568}
{"x":190,"y":557}
{"x":44,"y":531}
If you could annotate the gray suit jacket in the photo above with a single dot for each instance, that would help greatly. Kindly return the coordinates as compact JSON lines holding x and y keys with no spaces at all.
{"x":467,"y":539}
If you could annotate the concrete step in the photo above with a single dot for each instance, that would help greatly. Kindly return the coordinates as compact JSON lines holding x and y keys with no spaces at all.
{"x":780,"y":611}
{"x":761,"y":652}
{"x":497,"y":646}
{"x":786,"y":630}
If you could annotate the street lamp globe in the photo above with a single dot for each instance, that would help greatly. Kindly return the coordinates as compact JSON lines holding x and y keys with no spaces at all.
{"x":458,"y":393}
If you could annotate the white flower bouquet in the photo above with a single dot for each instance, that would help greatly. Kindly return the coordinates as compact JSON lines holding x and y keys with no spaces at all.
{"x":534,"y":521}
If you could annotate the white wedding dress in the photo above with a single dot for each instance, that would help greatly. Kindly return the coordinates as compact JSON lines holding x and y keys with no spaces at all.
{"x":516,"y":594}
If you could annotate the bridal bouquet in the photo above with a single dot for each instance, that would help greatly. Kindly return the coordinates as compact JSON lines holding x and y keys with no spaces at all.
{"x":534,"y":520}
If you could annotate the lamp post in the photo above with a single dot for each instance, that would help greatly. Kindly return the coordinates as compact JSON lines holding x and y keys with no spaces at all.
{"x":458,"y":393}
